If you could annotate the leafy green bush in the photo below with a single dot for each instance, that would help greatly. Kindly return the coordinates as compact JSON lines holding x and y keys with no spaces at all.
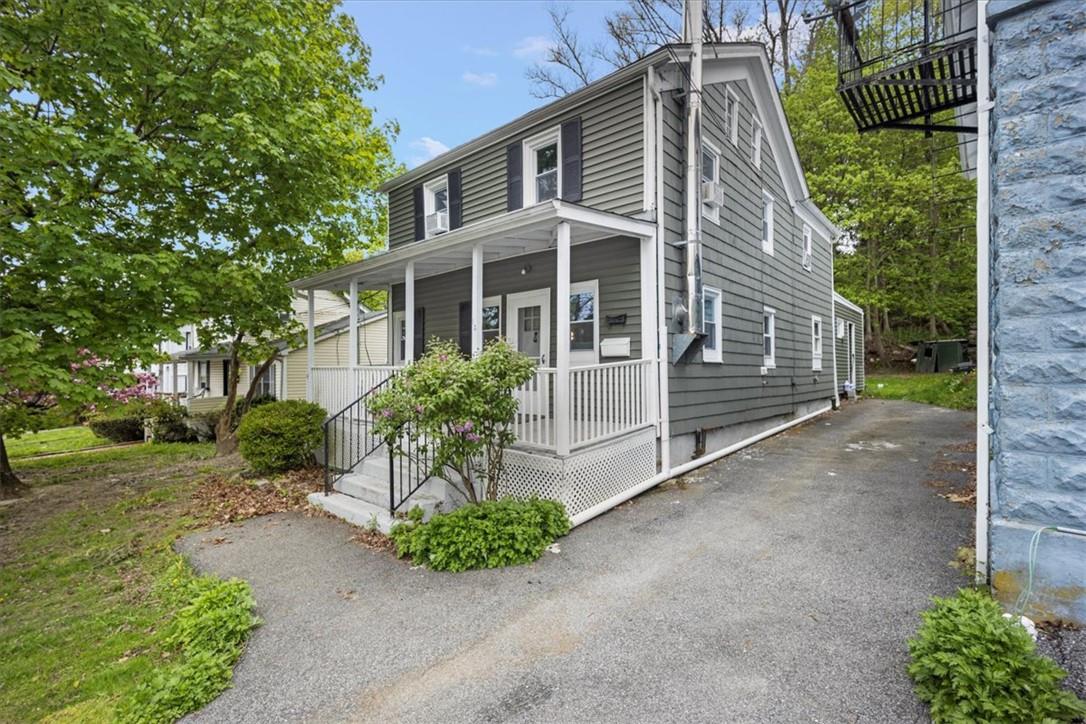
{"x":281,"y":435}
{"x":209,"y":633}
{"x":170,"y":424}
{"x":118,"y":429}
{"x":971,"y":664}
{"x":489,"y":534}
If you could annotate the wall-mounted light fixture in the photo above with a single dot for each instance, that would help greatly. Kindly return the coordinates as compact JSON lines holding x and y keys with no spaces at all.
{"x":525,"y":269}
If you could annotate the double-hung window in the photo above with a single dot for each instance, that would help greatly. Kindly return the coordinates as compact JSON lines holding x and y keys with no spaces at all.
{"x":808,"y":247}
{"x":712,"y":349}
{"x":756,"y":142}
{"x":816,"y":343}
{"x":265,"y":383}
{"x":203,"y":375}
{"x":542,"y":167}
{"x":767,"y":223}
{"x":769,"y":338}
{"x":436,"y":205}
{"x":710,"y":181}
{"x":731,"y":115}
{"x":584,"y":323}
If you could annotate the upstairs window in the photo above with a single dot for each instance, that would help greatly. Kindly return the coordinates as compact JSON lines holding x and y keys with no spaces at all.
{"x":767,"y":223}
{"x":769,"y":338}
{"x":731,"y":115}
{"x":808,"y":247}
{"x":712,"y":350}
{"x":436,"y":205}
{"x":711,"y":192}
{"x":542,"y":167}
{"x":188,"y":341}
{"x":756,"y":143}
{"x":816,"y":343}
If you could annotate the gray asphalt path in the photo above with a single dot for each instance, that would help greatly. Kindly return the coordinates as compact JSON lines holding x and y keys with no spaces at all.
{"x":778,"y":585}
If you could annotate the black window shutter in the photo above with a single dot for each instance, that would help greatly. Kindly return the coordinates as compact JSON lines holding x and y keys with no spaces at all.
{"x":225,"y":377}
{"x":456,"y":200}
{"x":420,"y":332}
{"x":465,"y":329}
{"x":514,"y":177}
{"x":571,"y":160}
{"x":420,"y":214}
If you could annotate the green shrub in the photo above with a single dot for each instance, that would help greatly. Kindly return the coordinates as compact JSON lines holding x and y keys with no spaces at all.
{"x":489,"y":534}
{"x":203,"y":424}
{"x":170,"y":424}
{"x":280,"y":435}
{"x":118,"y":429}
{"x":971,"y":664}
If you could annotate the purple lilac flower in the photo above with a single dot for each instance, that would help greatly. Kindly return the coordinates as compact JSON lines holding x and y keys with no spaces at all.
{"x":473,"y":437}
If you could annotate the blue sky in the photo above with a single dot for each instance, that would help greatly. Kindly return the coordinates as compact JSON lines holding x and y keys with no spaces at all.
{"x":454,"y":69}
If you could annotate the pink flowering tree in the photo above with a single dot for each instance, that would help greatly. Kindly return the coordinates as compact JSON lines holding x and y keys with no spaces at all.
{"x":459,"y":411}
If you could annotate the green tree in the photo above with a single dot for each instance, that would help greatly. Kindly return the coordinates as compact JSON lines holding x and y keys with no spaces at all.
{"x":166,"y":162}
{"x":908,"y":258}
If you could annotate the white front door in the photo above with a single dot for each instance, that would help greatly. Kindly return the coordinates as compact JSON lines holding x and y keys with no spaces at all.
{"x":528,"y":327}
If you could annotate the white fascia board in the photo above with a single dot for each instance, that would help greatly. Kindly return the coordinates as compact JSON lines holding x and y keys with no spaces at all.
{"x":846,"y":303}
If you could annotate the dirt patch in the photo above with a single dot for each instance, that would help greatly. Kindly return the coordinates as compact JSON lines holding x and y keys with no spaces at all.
{"x":374,"y":539}
{"x":227,"y":499}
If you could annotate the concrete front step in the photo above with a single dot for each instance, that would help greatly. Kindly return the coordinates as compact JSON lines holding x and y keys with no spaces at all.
{"x":375,"y":491}
{"x":355,"y":511}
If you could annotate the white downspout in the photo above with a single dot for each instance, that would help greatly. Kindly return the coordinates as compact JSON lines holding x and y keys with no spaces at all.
{"x":661,"y":280}
{"x":984,"y":430}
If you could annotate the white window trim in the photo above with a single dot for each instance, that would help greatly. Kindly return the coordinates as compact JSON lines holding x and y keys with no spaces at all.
{"x":768,"y":206}
{"x":495,"y":302}
{"x":711,"y":212}
{"x":707,"y":354}
{"x":398,"y":319}
{"x":756,"y":141}
{"x":816,"y":343}
{"x":808,"y":248}
{"x":582,"y":357}
{"x":840,"y":328}
{"x":429,"y":192}
{"x":733,"y":116}
{"x":529,"y":147}
{"x":769,"y":361}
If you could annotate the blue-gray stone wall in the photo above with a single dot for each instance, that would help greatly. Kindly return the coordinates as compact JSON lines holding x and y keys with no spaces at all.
{"x":1038,"y":207}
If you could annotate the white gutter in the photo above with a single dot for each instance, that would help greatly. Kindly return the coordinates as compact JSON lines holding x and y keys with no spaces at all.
{"x":984,"y":430}
{"x":833,"y":331}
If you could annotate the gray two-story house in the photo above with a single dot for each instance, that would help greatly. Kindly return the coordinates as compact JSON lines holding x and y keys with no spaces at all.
{"x":653,"y":247}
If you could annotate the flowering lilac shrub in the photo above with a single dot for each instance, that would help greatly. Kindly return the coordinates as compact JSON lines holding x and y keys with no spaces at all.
{"x":458,"y":411}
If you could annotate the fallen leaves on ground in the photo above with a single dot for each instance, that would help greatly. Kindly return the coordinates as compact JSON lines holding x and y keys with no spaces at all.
{"x":224,"y":499}
{"x":374,"y":539}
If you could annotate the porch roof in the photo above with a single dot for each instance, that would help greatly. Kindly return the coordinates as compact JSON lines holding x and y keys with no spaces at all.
{"x":510,"y":234}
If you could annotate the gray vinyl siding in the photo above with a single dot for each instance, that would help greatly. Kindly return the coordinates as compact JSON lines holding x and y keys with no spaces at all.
{"x":711,"y":395}
{"x":612,"y":142}
{"x":614,"y":262}
{"x":841,"y":346}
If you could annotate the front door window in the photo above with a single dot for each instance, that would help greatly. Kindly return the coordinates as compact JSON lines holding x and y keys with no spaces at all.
{"x":529,"y":326}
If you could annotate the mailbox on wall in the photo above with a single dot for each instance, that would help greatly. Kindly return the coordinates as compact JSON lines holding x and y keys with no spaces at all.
{"x":615,"y":347}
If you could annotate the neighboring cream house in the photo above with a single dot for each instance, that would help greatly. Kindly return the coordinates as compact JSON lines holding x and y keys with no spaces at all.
{"x":204,"y":372}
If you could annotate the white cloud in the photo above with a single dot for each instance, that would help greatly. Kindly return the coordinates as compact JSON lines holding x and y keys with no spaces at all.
{"x":484,"y":52}
{"x":533,"y":47}
{"x":484,"y":80}
{"x":429,"y":148}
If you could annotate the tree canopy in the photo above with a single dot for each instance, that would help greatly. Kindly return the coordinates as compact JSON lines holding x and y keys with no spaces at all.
{"x":168,"y":162}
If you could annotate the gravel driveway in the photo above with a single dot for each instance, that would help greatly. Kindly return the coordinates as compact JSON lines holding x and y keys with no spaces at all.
{"x":779,"y":584}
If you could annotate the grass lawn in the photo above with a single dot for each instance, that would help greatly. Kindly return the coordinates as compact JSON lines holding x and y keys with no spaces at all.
{"x":62,"y":439}
{"x":101,"y":619}
{"x":945,"y":389}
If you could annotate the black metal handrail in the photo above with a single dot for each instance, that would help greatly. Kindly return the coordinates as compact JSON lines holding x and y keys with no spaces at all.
{"x":410,"y":465}
{"x":352,"y":430}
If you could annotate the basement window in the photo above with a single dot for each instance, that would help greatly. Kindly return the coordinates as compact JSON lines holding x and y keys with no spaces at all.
{"x":769,"y":338}
{"x":711,"y":350}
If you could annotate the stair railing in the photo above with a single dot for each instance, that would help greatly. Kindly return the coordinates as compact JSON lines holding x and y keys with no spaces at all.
{"x":410,"y":465}
{"x":349,"y":437}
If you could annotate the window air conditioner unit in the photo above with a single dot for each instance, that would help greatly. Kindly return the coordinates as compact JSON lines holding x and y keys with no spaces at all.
{"x":437,"y":223}
{"x":712,"y":193}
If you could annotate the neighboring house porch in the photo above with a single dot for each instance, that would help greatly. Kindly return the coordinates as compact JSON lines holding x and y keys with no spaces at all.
{"x":588,"y":421}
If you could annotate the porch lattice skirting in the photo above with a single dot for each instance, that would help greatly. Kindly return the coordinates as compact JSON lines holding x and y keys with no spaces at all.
{"x":585,"y":478}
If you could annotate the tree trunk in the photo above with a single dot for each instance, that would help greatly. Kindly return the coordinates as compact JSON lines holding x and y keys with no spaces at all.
{"x":10,"y":485}
{"x":873,"y":332}
{"x":226,"y":437}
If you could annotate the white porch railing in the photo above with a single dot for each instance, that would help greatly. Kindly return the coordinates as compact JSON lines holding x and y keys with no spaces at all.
{"x":605,"y":400}
{"x":334,"y":388}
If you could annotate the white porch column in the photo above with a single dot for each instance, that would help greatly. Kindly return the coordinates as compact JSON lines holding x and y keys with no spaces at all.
{"x":476,"y":300}
{"x":561,"y":383}
{"x":409,"y":313}
{"x":352,"y":334}
{"x":173,"y":387}
{"x":649,"y":348}
{"x":310,"y":344}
